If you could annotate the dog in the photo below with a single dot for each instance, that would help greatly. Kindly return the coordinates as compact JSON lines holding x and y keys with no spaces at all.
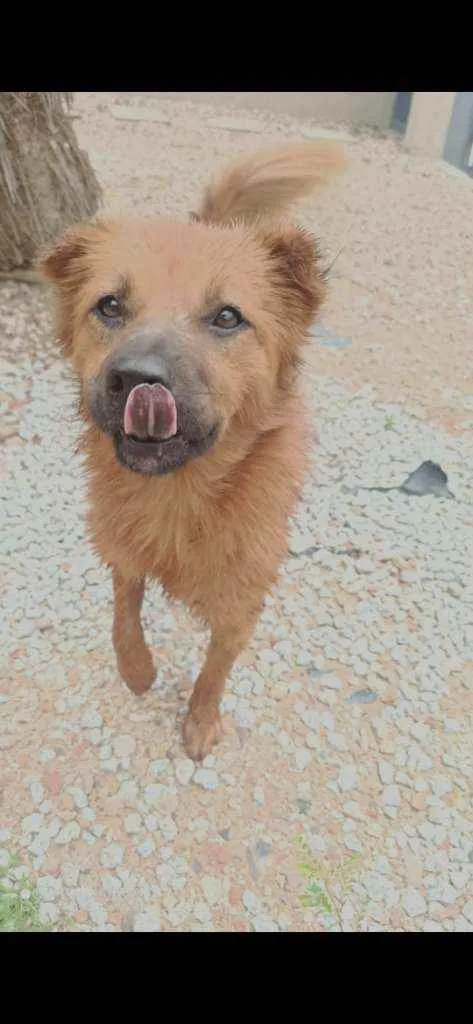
{"x":186,"y":338}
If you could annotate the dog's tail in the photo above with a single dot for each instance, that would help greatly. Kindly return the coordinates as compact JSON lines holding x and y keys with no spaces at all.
{"x":268,"y":182}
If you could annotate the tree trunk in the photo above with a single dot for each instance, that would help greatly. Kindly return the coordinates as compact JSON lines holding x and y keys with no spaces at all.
{"x":46,"y":181}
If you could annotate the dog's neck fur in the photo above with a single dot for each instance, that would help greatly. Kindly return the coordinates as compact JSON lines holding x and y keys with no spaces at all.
{"x":205,"y":478}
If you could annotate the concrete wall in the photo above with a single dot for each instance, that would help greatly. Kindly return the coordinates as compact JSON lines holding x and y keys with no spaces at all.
{"x":368,"y":108}
{"x":429,"y":122}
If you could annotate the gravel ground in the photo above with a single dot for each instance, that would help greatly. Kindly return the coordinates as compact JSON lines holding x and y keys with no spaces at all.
{"x":341,"y":796}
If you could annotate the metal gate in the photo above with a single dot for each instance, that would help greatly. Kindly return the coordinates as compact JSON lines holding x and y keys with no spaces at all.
{"x":458,"y":148}
{"x":459,"y":142}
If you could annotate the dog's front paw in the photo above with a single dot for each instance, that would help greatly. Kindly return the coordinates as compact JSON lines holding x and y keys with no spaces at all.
{"x":202,"y":729}
{"x":138,"y":674}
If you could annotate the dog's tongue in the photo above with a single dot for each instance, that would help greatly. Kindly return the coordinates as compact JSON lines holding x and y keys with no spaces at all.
{"x":150,"y":412}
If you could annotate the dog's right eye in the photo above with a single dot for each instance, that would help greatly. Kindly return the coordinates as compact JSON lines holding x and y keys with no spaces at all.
{"x":109,"y":307}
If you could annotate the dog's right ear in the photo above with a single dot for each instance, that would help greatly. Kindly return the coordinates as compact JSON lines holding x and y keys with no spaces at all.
{"x":62,"y":261}
{"x":67,"y":265}
{"x":65,"y":262}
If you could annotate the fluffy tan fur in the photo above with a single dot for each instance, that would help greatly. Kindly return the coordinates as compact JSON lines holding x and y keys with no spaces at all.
{"x":213,"y":532}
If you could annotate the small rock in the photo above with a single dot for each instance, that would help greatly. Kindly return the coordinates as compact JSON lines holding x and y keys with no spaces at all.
{"x":49,"y":888}
{"x":448,"y":895}
{"x":468,"y":911}
{"x":41,"y":843}
{"x":348,"y":777}
{"x":69,"y":833}
{"x":32,"y":822}
{"x":264,"y":924}
{"x":364,"y":565}
{"x":414,"y":903}
{"x":428,"y":478}
{"x":148,"y":921}
{"x":70,"y":874}
{"x":91,"y":720}
{"x":362,"y":697}
{"x":124,"y":746}
{"x":331,"y":682}
{"x":207,"y":778}
{"x":262,"y":848}
{"x":212,"y":889}
{"x":202,"y":912}
{"x":111,"y":856}
{"x":299,"y":543}
{"x":251,"y":902}
{"x":385,"y":772}
{"x":153,"y":794}
{"x":79,"y":797}
{"x":128,"y":792}
{"x":184,"y":769}
{"x":391,"y":796}
{"x":48,"y":913}
{"x":98,"y":914}
{"x":303,"y":758}
{"x":462,"y":925}
{"x":353,"y":843}
{"x":147,"y":848}
{"x":111,"y":884}
{"x":132,"y":823}
{"x":37,"y":792}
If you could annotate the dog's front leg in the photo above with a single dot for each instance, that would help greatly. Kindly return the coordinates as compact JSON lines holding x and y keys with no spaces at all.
{"x":134,"y":660}
{"x":202,"y":727}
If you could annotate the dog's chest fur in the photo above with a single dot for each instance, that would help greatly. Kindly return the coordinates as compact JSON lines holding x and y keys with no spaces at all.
{"x":212,"y":532}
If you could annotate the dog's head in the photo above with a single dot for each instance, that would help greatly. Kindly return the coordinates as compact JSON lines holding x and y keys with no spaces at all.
{"x":179,"y":329}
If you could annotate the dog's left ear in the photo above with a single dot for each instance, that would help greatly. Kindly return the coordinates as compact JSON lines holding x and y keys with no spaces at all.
{"x":296,"y":272}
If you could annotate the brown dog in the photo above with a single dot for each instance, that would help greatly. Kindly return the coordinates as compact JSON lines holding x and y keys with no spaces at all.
{"x":186,"y":339}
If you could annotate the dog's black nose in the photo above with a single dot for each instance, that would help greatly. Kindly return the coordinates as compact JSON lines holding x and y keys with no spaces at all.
{"x":125,"y":373}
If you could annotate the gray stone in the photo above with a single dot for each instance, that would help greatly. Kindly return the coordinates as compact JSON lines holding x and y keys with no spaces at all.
{"x":133,"y":823}
{"x":362,"y":697}
{"x":385,"y":772}
{"x":49,"y":888}
{"x":184,"y":769}
{"x":414,"y":903}
{"x":70,"y":874}
{"x":303,"y":758}
{"x":91,"y":720}
{"x":391,"y":796}
{"x":212,"y":887}
{"x":147,"y":921}
{"x":251,"y":902}
{"x":207,"y":778}
{"x":124,"y":746}
{"x":69,"y":833}
{"x":146,"y":848}
{"x":37,"y":792}
{"x":40,"y":844}
{"x":348,"y":777}
{"x":264,"y":924}
{"x":32,"y":822}
{"x":111,"y":856}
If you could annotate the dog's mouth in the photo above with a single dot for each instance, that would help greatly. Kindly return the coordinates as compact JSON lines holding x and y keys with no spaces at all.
{"x":150,"y":440}
{"x":156,"y":457}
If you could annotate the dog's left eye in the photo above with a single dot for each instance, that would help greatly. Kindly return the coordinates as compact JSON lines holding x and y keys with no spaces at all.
{"x":109,"y":307}
{"x":228,"y":318}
